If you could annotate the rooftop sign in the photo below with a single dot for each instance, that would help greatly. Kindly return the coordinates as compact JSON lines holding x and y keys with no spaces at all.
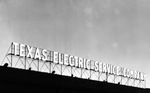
{"x":73,"y":61}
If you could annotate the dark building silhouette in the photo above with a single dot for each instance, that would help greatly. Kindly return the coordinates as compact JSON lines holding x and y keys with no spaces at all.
{"x":14,"y":80}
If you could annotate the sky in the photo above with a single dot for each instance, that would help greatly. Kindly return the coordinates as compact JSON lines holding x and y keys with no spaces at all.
{"x":110,"y":31}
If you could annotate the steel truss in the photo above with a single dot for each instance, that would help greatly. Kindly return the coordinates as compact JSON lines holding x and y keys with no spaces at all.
{"x":16,"y":61}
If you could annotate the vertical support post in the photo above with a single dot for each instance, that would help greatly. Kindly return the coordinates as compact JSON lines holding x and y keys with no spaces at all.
{"x":127,"y":83}
{"x":133,"y":84}
{"x":144,"y":83}
{"x":121,"y":80}
{"x":38,"y":65}
{"x":90,"y":74}
{"x":49,"y":67}
{"x":106,"y":77}
{"x":25,"y":56}
{"x":114,"y":78}
{"x":81,"y":72}
{"x":71,"y":71}
{"x":99,"y":76}
{"x":11,"y":54}
{"x":139,"y":84}
{"x":61,"y":70}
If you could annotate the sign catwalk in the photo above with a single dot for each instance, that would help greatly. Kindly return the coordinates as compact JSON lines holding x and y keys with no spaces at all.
{"x":45,"y":55}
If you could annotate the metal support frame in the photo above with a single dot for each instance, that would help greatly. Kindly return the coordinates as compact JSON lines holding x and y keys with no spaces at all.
{"x":49,"y":67}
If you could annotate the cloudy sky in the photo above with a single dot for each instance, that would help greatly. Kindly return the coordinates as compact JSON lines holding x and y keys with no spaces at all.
{"x":110,"y":31}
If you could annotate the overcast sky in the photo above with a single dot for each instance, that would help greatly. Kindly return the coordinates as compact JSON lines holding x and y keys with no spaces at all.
{"x":110,"y":31}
